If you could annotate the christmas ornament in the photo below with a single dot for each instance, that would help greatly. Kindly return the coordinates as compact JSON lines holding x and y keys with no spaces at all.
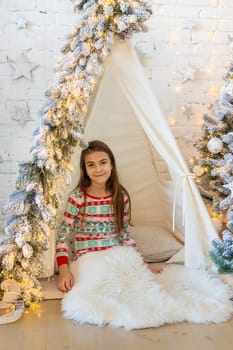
{"x":198,"y":170}
{"x":22,"y":67}
{"x":215,"y":145}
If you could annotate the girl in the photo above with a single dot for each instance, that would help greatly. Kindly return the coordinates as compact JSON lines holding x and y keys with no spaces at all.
{"x":114,"y":286}
{"x":99,"y":211}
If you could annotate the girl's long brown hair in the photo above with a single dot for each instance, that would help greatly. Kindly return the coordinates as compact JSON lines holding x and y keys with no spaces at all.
{"x":113,"y":185}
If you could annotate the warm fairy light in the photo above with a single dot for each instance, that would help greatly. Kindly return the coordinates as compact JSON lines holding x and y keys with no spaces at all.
{"x":171,"y":121}
{"x":199,"y":120}
{"x":213,"y":214}
{"x":191,"y":161}
{"x":100,"y":34}
{"x":178,"y":88}
{"x":213,"y":90}
{"x":209,"y":69}
{"x":175,"y":36}
{"x":212,"y":35}
{"x":108,"y":2}
{"x":40,"y":238}
{"x":84,"y":109}
{"x":69,"y":101}
{"x":35,"y":307}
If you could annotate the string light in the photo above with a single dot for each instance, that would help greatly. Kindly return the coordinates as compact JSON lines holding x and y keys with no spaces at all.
{"x":171,"y":121}
{"x":209,"y":69}
{"x":213,"y":90}
{"x":175,"y":36}
{"x":178,"y":88}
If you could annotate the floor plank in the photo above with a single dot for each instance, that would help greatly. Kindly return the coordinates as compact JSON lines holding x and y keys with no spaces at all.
{"x":42,"y":327}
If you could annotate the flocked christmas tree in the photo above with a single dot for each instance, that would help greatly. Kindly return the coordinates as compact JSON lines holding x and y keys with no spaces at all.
{"x":214,"y":171}
{"x":32,"y":206}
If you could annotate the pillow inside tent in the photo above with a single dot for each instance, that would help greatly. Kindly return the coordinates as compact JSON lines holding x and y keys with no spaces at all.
{"x":155,"y":243}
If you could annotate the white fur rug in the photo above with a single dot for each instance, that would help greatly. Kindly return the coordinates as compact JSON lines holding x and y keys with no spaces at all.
{"x":115,"y":287}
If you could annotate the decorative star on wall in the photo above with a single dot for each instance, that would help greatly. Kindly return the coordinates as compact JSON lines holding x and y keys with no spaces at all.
{"x":187,"y":111}
{"x":21,"y":23}
{"x":22,"y":67}
{"x":21,"y":114}
{"x":188,"y":138}
{"x":189,"y":74}
{"x":230,"y":187}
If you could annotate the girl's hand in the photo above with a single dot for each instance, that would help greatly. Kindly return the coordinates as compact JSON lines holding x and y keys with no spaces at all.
{"x":65,"y":279}
{"x":155,"y":269}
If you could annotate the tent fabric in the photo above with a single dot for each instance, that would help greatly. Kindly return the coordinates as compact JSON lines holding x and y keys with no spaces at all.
{"x":132,"y":121}
{"x":126,"y":115}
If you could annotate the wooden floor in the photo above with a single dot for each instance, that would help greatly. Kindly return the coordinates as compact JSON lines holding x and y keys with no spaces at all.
{"x":42,"y":328}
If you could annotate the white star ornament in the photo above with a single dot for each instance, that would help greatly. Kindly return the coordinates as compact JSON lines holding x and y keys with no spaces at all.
{"x":22,"y":67}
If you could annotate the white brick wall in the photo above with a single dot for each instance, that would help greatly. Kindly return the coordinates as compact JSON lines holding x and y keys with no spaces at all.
{"x":167,"y":51}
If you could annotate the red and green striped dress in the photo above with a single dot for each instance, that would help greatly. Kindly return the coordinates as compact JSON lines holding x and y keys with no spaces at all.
{"x":91,"y":227}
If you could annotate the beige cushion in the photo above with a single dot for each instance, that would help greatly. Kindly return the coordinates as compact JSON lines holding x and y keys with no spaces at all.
{"x":177,"y":258}
{"x":155,"y":243}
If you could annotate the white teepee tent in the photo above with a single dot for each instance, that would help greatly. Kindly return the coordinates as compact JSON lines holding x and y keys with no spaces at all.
{"x":126,"y":115}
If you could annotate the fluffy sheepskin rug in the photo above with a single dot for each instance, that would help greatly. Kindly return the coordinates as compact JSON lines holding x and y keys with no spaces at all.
{"x":115,"y":287}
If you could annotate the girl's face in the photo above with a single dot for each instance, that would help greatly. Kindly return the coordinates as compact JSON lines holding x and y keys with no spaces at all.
{"x":98,"y":167}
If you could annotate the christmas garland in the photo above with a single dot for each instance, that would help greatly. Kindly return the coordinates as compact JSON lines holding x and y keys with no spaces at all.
{"x":32,"y":206}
